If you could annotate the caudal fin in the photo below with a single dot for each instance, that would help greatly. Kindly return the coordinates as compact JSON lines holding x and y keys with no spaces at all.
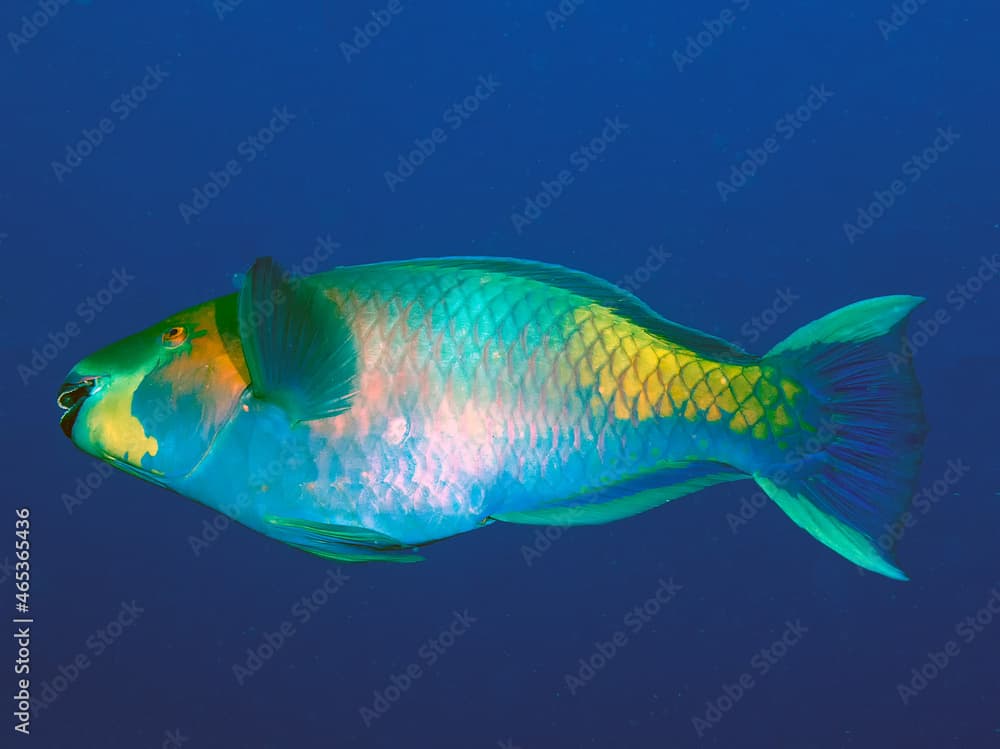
{"x":845,"y":489}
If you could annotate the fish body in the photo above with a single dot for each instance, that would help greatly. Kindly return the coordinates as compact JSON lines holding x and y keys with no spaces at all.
{"x":364,"y":412}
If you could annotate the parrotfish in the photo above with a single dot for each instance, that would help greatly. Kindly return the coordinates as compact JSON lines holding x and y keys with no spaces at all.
{"x":365,"y":412}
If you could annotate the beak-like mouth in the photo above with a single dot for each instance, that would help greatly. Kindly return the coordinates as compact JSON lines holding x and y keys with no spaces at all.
{"x":71,"y":397}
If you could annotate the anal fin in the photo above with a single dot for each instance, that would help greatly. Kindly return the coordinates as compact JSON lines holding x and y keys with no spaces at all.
{"x":629,"y":497}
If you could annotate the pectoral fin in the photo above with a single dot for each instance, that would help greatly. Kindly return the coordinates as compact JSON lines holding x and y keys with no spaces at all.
{"x":299,"y":350}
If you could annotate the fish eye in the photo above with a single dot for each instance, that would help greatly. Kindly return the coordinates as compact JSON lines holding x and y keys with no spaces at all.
{"x":174,"y":337}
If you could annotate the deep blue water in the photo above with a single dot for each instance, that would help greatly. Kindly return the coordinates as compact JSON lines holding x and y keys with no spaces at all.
{"x":654,"y":129}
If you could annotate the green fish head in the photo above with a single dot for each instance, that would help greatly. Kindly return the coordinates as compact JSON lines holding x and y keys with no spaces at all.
{"x":153,"y":403}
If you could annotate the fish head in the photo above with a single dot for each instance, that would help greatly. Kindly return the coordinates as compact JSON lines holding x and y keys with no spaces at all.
{"x":153,"y":403}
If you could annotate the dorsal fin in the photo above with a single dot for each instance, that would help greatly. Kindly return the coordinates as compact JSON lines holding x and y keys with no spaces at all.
{"x":602,"y":292}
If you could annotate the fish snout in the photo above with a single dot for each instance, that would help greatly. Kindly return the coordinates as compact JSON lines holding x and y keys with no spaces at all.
{"x":71,"y":396}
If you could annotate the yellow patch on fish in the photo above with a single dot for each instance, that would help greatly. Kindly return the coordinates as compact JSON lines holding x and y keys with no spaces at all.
{"x":622,"y":364}
{"x":741,"y":388}
{"x":726,"y":401}
{"x":114,"y":429}
{"x":739,"y":423}
{"x":666,"y":409}
{"x":702,"y":396}
{"x":752,"y":411}
{"x":780,"y":420}
{"x":639,"y":376}
{"x":628,"y":346}
{"x":606,"y":384}
{"x":790,"y":389}
{"x":212,"y":369}
{"x":646,"y":362}
{"x":767,"y":392}
{"x":678,"y":392}
{"x":643,"y":408}
{"x":717,"y":380}
{"x":691,"y":374}
{"x":623,"y":408}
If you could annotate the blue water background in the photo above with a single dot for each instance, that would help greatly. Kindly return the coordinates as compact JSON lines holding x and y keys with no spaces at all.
{"x":683,"y":127}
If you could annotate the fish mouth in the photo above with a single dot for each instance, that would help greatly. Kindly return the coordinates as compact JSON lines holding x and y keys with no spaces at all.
{"x":71,"y":398}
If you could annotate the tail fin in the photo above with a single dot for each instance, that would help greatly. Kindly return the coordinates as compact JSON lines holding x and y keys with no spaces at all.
{"x":862,"y":479}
